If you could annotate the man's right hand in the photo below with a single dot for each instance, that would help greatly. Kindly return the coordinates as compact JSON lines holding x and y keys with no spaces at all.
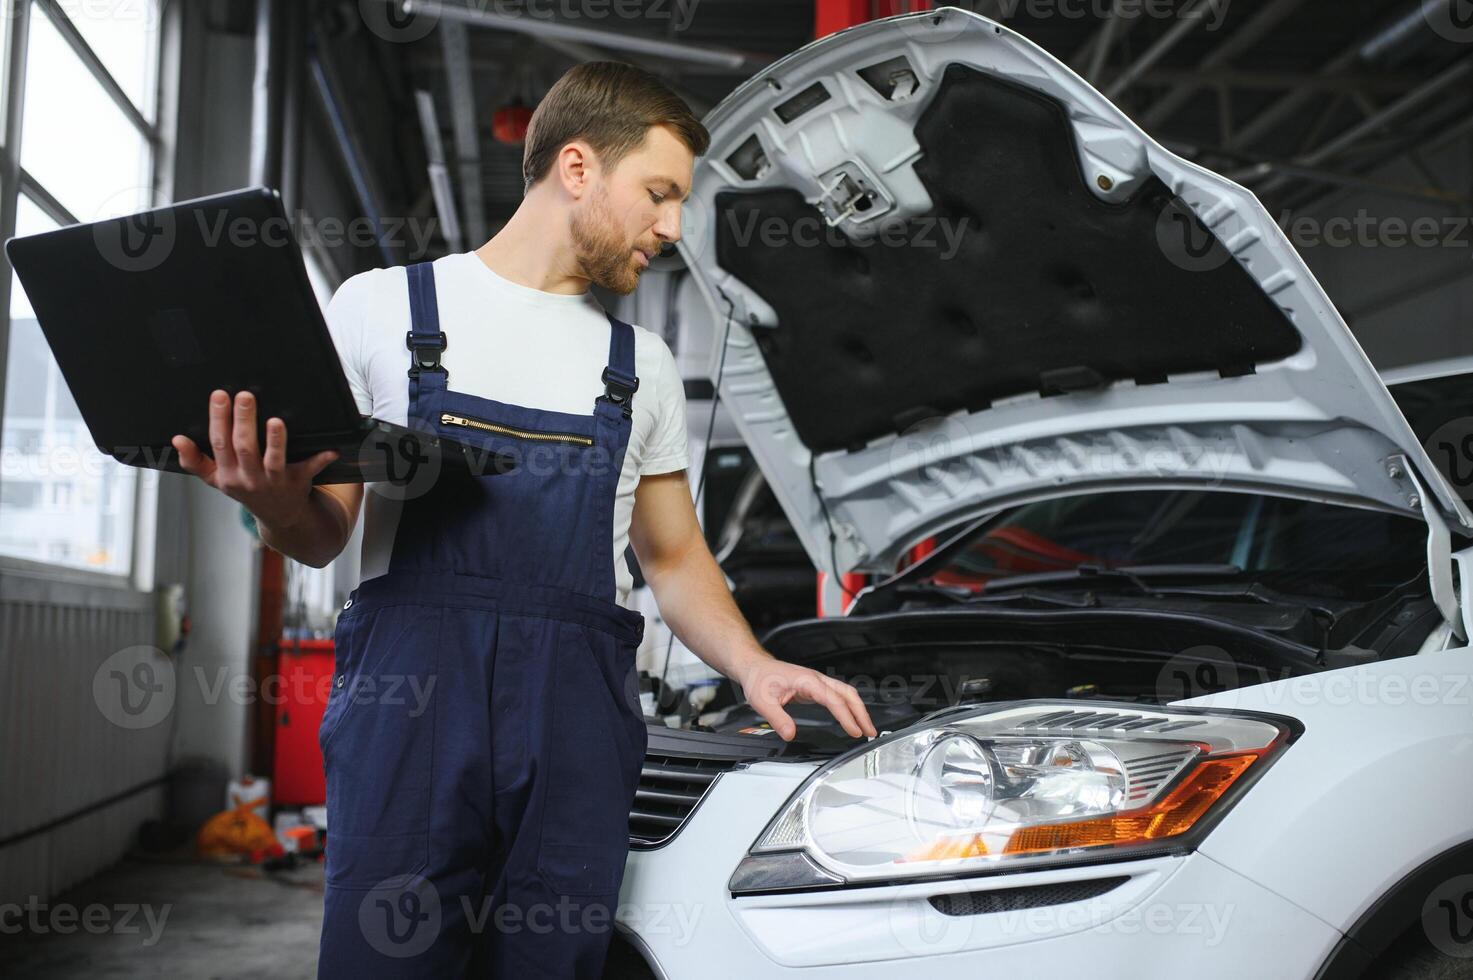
{"x":272,"y":489}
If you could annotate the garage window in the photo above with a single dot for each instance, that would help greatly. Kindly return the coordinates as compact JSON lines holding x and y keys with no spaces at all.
{"x":88,"y":94}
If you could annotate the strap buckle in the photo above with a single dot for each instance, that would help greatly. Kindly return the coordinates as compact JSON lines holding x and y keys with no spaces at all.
{"x":619,"y":390}
{"x":425,"y":349}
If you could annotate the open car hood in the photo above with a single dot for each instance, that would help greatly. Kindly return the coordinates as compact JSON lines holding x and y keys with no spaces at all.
{"x":956,"y":278}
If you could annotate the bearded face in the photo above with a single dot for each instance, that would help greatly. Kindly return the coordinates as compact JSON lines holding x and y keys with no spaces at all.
{"x":611,"y":256}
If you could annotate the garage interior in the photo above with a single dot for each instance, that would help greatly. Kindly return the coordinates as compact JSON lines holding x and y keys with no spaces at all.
{"x":395,"y":137}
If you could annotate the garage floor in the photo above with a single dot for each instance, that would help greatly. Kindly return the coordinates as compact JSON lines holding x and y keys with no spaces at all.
{"x":216,"y":922}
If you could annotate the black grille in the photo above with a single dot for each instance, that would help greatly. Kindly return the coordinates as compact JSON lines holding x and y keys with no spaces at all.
{"x":679,"y":767}
{"x":1016,"y":899}
{"x":669,"y":789}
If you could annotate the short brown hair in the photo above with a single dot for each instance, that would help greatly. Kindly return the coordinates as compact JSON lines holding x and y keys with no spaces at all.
{"x":611,"y":106}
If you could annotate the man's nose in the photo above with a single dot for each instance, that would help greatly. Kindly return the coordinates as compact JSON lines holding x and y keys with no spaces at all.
{"x":667,"y":225}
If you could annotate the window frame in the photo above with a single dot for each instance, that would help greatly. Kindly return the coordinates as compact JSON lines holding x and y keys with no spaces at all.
{"x":15,"y":181}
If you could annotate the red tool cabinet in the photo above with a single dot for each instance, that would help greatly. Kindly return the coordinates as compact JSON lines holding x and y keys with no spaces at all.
{"x":305,"y":668}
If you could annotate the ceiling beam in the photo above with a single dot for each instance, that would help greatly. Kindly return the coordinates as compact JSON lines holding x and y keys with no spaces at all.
{"x":439,"y":172}
{"x":1187,"y":21}
{"x":1457,"y":74}
{"x":456,"y":45}
{"x":1279,"y":81}
{"x":1275,"y":115}
{"x":1265,"y":20}
{"x":710,"y":58}
{"x":1104,"y":41}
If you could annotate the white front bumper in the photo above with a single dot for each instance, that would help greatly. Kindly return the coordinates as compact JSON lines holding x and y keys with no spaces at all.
{"x":1175,"y":916}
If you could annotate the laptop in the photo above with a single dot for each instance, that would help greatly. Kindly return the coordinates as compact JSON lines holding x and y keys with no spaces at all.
{"x":149,"y":313}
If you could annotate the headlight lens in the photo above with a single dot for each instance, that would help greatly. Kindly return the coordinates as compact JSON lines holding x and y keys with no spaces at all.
{"x":1011,"y":786}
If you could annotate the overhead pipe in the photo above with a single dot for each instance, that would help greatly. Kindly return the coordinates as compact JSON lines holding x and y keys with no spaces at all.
{"x":1274,"y":115}
{"x":266,"y":96}
{"x":348,"y":146}
{"x":716,"y":58}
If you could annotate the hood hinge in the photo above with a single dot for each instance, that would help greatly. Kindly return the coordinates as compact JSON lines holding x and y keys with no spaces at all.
{"x":1453,"y":602}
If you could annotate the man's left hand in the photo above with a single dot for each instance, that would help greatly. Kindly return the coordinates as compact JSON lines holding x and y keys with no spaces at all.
{"x":770,"y":683}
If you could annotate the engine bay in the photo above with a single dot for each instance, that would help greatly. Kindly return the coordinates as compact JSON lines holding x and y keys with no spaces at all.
{"x":909,"y":665}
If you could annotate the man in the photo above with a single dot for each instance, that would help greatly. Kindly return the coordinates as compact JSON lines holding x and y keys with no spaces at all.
{"x":482,"y":827}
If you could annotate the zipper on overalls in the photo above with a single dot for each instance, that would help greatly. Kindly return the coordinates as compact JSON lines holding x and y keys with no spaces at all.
{"x":447,"y":418}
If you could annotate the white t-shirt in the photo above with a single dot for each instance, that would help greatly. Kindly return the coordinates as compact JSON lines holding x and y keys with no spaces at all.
{"x":512,"y":343}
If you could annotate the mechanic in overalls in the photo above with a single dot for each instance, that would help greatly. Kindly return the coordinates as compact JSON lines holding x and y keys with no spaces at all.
{"x":483,"y":737}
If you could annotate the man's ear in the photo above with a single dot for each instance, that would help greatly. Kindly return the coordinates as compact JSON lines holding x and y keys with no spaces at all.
{"x":575,"y":167}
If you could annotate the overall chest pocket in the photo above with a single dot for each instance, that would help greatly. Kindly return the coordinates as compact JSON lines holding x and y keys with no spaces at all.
{"x":539,"y":452}
{"x":461,"y":421}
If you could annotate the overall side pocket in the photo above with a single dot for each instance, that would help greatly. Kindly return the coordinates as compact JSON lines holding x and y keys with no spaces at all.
{"x":597,"y":748}
{"x":378,"y":750}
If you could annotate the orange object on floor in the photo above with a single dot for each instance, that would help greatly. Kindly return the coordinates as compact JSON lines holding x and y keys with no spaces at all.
{"x":237,"y":831}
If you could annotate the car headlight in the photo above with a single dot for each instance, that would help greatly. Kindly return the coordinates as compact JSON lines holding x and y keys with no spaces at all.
{"x":1010,"y":786}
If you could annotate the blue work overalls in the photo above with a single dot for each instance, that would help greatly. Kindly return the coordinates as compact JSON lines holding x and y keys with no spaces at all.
{"x":483,"y":737}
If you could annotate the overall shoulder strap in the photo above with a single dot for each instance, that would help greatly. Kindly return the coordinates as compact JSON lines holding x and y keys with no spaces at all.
{"x":424,"y":339}
{"x":620,"y":381}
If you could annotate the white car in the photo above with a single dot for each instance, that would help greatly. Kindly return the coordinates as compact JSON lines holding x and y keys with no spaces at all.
{"x":1183,"y":689}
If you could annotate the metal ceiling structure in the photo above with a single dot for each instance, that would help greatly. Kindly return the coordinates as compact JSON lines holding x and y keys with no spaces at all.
{"x":1293,"y":98}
